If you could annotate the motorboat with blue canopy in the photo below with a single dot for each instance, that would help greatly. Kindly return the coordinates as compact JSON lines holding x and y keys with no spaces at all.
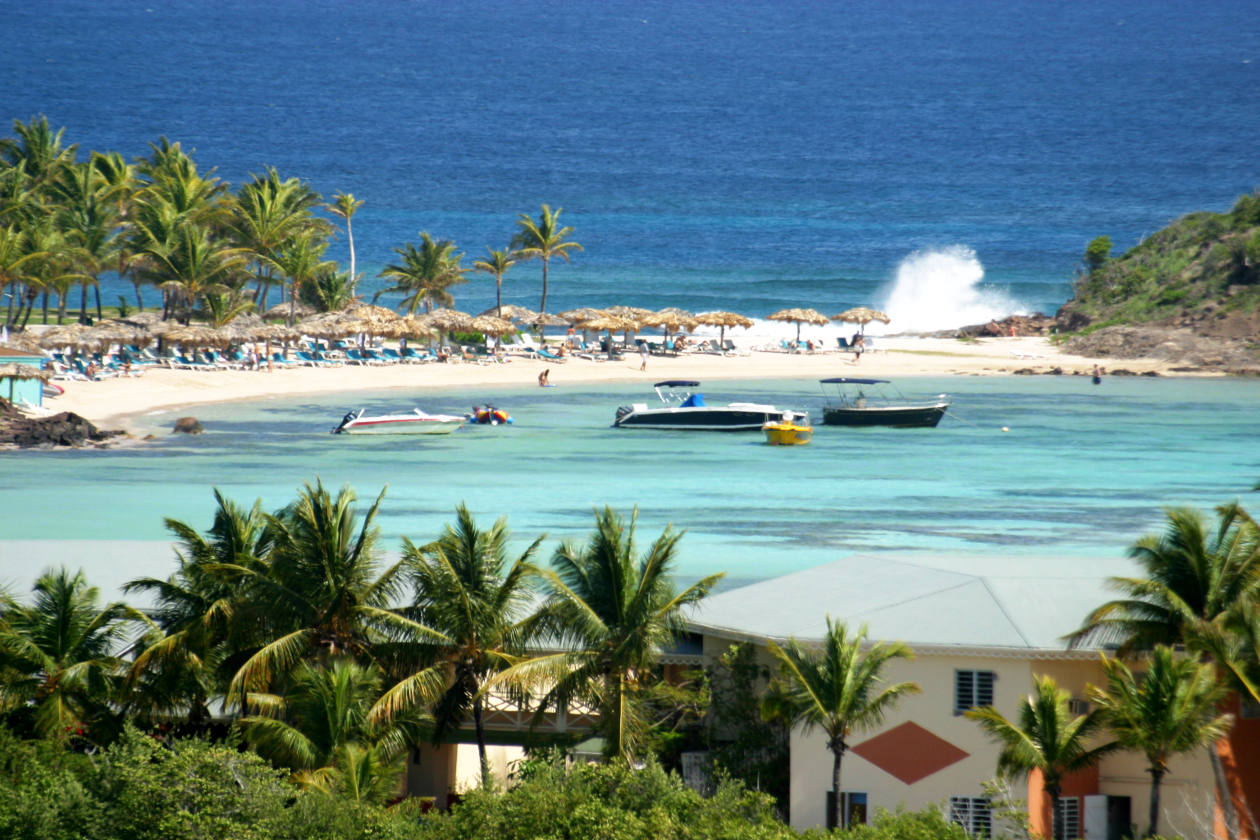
{"x":683,"y":407}
{"x":877,"y":402}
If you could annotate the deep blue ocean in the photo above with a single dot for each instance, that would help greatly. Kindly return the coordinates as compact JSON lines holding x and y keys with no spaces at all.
{"x":738,"y":155}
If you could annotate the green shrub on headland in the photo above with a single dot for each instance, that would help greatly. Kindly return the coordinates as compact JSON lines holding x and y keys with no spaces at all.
{"x":1202,"y":264}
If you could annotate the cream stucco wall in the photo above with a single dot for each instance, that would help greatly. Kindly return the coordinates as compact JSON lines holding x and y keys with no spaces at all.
{"x":933,"y":710}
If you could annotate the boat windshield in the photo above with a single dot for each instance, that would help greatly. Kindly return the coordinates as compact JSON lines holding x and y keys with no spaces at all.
{"x":679,"y":392}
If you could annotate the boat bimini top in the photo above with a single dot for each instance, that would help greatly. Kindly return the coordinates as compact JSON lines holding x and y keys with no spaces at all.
{"x":848,"y":380}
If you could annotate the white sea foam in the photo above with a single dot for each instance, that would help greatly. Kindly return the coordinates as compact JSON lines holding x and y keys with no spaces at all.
{"x":943,"y":288}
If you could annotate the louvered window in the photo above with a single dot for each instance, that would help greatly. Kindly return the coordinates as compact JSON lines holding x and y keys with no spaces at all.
{"x":971,"y":689}
{"x":1069,"y":827}
{"x":973,"y":814}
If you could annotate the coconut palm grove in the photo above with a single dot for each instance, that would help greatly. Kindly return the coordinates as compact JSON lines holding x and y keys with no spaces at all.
{"x":274,"y":682}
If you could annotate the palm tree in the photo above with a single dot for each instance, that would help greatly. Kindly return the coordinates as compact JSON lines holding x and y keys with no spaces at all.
{"x":1192,"y":575}
{"x":121,"y":182}
{"x":323,"y":729}
{"x":331,"y":290}
{"x":611,"y":614}
{"x":425,"y":273}
{"x":60,"y":656}
{"x":1170,"y":709}
{"x":203,"y":613}
{"x":320,"y":594}
{"x":345,"y":205}
{"x":270,"y":213}
{"x":543,"y":239}
{"x":300,"y":258}
{"x":195,"y":264}
{"x":468,"y":591}
{"x":15,"y":258}
{"x":38,"y":150}
{"x":87,"y":213}
{"x":1048,"y":738}
{"x":497,"y":264}
{"x":1196,"y":578}
{"x":839,"y":689}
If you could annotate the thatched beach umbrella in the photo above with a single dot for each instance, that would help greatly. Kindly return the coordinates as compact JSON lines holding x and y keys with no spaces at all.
{"x":861,"y":315}
{"x":449,"y":320}
{"x":195,"y":335}
{"x":670,"y":320}
{"x":76,"y":336}
{"x":582,"y":313}
{"x":281,"y":310}
{"x":143,"y":319}
{"x":799,"y":316}
{"x":635,"y":313}
{"x":490,"y":325}
{"x":610,"y":323}
{"x":512,"y":312}
{"x":412,"y":326}
{"x":722,"y":320}
{"x":378,"y":316}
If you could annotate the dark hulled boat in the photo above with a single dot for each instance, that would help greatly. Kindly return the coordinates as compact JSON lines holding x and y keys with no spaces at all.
{"x":865,"y":402}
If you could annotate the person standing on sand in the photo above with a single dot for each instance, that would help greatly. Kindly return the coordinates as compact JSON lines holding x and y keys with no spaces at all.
{"x":643,"y":354}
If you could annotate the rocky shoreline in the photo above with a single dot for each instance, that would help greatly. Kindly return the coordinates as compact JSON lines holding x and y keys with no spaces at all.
{"x":1191,"y":349}
{"x":18,"y":431}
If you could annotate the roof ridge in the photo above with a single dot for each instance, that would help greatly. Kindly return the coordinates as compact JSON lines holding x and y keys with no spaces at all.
{"x":1019,"y":630}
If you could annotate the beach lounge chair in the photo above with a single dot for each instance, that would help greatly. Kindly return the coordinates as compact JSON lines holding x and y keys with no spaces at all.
{"x":278,"y":359}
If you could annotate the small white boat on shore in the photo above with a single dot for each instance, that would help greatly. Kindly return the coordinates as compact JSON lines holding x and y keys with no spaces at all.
{"x":415,"y":423}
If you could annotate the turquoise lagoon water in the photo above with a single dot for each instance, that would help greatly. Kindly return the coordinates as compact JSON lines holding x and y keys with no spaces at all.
{"x":1083,"y":471}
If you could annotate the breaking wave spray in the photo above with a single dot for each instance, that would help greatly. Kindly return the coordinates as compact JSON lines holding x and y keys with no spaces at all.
{"x":942,"y":288}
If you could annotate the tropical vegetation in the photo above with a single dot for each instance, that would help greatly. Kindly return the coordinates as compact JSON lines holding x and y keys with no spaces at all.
{"x":207,"y":250}
{"x":1202,"y":265}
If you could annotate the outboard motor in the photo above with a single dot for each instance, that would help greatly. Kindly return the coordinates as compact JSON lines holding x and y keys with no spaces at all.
{"x":622,"y":412}
{"x":350,"y":415}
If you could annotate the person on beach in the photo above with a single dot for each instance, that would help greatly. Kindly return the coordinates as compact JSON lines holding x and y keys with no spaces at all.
{"x":544,"y":377}
{"x":643,"y":354}
{"x":1097,"y":375}
{"x":857,"y":345}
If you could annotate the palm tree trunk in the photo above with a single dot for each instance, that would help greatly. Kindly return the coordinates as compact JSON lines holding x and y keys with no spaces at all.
{"x":96,"y":288}
{"x":83,"y":303}
{"x":1157,"y":776}
{"x":498,"y":296}
{"x":1056,"y":819}
{"x":350,"y":240}
{"x":836,"y":805}
{"x":543,"y":307}
{"x":479,"y":725}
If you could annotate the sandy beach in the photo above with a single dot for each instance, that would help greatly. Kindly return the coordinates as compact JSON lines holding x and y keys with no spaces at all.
{"x":113,"y":403}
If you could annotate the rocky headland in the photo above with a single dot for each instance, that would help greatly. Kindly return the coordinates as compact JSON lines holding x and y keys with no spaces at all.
{"x":1189,"y":294}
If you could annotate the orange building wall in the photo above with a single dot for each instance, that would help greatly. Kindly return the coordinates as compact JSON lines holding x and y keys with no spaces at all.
{"x":1241,"y":756}
{"x":1040,"y":818}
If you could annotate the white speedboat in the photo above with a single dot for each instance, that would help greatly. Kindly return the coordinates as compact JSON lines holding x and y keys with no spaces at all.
{"x":682,"y":407}
{"x":415,"y":423}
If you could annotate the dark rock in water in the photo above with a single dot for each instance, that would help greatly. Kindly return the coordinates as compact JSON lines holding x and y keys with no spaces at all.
{"x":189,"y":426}
{"x":64,"y":429}
{"x":1025,"y":372}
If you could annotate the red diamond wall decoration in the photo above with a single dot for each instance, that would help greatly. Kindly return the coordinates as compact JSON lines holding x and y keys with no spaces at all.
{"x":909,"y":752}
